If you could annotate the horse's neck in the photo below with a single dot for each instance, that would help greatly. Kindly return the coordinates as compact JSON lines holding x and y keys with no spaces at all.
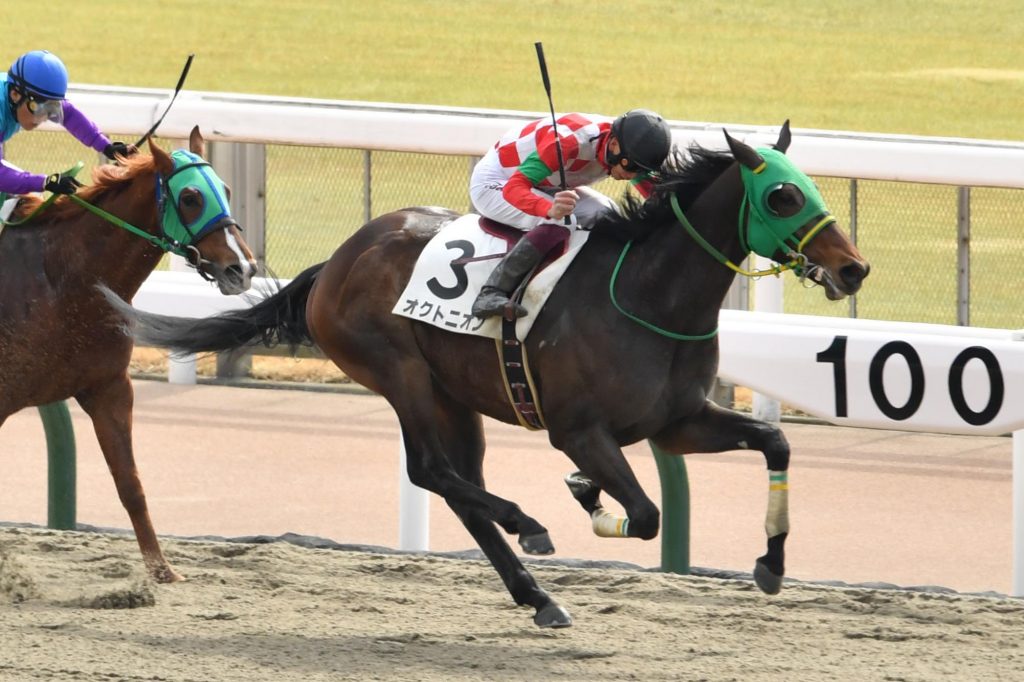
{"x":107,"y":252}
{"x":690,"y":284}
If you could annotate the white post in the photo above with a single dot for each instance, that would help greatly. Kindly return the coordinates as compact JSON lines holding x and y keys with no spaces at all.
{"x":767,"y":299}
{"x":1017,"y":589}
{"x":181,"y":370}
{"x":413,"y":508}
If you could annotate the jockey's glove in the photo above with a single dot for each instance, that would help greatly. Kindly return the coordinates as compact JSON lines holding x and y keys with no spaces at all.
{"x":115,"y":149}
{"x":59,"y":183}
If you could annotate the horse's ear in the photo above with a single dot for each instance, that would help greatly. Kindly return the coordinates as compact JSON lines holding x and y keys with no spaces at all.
{"x":196,"y":143}
{"x":746,"y":155}
{"x":161,"y":159}
{"x":784,"y":138}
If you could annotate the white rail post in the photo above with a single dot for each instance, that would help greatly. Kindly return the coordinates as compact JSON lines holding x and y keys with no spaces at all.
{"x":180,"y":370}
{"x":1017,"y":585}
{"x":767,"y":299}
{"x":413,"y":508}
{"x":1017,"y":589}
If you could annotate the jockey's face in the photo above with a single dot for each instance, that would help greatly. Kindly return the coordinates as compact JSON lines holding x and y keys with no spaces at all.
{"x":618,"y":171}
{"x":25,"y":119}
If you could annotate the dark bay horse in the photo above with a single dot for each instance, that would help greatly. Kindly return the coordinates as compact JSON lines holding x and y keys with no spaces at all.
{"x":603,"y":379}
{"x":58,"y":337}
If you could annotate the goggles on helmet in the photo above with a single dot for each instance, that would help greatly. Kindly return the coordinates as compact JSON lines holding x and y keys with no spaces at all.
{"x":44,"y":109}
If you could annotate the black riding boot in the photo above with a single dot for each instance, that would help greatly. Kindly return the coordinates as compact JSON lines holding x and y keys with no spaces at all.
{"x":510,"y":271}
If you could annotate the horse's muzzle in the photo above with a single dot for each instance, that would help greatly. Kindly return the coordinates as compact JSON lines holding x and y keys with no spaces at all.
{"x":232,"y":279}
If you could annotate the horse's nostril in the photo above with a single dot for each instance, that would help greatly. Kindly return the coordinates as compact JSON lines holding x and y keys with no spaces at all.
{"x":854,"y":273}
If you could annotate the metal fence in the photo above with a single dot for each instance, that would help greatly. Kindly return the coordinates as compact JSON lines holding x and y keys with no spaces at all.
{"x":939,"y":253}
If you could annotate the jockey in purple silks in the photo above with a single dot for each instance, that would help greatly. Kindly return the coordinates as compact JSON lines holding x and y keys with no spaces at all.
{"x":35,"y":88}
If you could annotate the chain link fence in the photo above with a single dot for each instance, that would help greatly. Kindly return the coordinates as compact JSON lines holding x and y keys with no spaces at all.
{"x":938,"y":253}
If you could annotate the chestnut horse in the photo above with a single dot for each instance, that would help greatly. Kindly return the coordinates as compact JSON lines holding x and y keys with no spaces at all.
{"x":58,"y":337}
{"x":610,"y":370}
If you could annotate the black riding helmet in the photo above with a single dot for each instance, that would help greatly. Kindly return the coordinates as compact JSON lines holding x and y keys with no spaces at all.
{"x":644,"y":140}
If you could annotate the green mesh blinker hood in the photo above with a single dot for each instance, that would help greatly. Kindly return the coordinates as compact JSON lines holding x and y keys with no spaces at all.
{"x":192,"y":171}
{"x":767,"y":232}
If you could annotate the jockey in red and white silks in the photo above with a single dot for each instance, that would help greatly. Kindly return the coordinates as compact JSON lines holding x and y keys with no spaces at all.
{"x":518,"y":183}
{"x":515,"y":182}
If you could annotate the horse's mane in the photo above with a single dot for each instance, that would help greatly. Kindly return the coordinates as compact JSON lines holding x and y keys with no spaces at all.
{"x":685,"y":174}
{"x":105,"y":179}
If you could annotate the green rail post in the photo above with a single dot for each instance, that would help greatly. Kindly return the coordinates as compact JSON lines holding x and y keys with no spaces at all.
{"x":675,"y":511}
{"x":60,"y":457}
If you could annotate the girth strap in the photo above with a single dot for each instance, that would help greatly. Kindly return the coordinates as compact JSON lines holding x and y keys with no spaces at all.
{"x":515,"y":371}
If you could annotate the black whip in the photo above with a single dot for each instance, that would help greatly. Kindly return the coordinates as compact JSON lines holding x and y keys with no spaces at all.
{"x":177,"y":89}
{"x":554,"y":122}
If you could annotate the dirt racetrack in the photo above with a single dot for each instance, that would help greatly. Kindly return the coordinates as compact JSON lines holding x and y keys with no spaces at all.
{"x":75,"y":606}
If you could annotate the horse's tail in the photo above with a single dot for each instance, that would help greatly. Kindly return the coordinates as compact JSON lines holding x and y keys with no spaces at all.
{"x":277,"y":319}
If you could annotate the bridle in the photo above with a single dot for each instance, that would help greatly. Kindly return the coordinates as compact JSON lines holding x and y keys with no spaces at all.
{"x":176,"y":235}
{"x":761,"y":230}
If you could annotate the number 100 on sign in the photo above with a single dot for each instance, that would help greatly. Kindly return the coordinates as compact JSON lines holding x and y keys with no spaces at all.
{"x":926,"y":383}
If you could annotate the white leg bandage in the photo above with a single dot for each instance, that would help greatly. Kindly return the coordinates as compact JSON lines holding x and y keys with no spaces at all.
{"x":608,"y":525}
{"x":777,"y":520}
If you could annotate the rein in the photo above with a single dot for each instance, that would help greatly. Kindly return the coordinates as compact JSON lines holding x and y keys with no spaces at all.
{"x":798,"y":262}
{"x":643,"y":323}
{"x":159,"y":242}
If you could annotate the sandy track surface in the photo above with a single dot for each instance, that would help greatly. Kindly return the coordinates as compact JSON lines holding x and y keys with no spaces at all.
{"x":75,"y":606}
{"x":866,"y":505}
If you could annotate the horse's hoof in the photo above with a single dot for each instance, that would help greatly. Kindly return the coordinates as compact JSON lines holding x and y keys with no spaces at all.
{"x":537,"y":544}
{"x":766,"y":580}
{"x":552,"y":616}
{"x":584,"y":490}
{"x":166,"y":575}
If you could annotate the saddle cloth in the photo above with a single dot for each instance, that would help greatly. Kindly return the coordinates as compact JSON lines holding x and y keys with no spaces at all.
{"x":447,"y":278}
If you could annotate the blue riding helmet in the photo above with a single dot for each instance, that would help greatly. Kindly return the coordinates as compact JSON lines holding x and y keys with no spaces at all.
{"x":41,"y":74}
{"x":42,"y":81}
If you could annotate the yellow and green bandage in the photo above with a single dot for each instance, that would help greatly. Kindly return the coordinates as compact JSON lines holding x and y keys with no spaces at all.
{"x":608,"y":525}
{"x":777,"y":520}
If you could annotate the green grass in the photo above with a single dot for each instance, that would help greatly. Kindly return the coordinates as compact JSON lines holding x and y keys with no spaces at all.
{"x":929,"y":68}
{"x":935,"y":67}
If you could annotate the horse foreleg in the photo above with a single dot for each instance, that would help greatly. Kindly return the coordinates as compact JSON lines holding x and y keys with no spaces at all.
{"x":110,"y":408}
{"x":716,"y":429}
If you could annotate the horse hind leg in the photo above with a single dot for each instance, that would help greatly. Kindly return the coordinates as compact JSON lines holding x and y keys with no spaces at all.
{"x":110,"y":410}
{"x":461,"y":433}
{"x":716,"y":429}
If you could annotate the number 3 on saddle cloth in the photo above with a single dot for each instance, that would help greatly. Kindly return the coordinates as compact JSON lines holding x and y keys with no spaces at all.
{"x":447,"y":278}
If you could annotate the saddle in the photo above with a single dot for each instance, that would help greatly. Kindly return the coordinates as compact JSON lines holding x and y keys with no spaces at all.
{"x":511,"y":235}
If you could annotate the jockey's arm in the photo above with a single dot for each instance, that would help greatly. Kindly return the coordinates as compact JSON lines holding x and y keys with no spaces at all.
{"x":518,"y":191}
{"x":83,"y":129}
{"x":13,"y":180}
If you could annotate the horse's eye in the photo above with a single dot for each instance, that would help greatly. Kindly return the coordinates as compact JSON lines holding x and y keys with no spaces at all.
{"x":785,"y":200}
{"x":190,"y":204}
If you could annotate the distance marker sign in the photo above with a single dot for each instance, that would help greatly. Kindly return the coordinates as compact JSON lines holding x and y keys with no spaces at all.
{"x":911,"y":377}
